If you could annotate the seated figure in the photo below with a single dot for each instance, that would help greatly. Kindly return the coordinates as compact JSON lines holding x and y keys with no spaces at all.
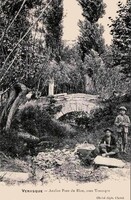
{"x":108,"y":145}
{"x":106,"y":148}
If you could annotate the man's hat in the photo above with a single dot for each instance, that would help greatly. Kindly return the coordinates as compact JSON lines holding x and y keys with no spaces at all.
{"x":108,"y":129}
{"x":123,"y":108}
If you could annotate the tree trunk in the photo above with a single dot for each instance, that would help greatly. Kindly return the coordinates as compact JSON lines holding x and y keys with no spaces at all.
{"x":21,"y":95}
{"x":88,"y":84}
{"x":51,"y":87}
{"x":10,"y":101}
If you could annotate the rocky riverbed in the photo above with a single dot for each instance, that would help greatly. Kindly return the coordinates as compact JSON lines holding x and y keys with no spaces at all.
{"x":53,"y":165}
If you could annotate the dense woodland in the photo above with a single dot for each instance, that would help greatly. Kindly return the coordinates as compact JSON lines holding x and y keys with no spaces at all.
{"x":33,"y":52}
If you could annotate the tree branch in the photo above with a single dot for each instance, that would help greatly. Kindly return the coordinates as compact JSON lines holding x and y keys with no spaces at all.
{"x":29,"y":29}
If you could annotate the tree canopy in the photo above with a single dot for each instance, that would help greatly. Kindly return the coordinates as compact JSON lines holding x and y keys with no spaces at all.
{"x":121,"y":32}
{"x":90,"y":32}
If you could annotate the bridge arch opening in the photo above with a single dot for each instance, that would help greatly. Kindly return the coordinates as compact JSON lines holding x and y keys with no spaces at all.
{"x":73,"y":114}
{"x":76,"y":118}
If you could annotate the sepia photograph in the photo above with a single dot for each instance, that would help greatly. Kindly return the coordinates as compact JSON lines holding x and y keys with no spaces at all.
{"x":65,"y":99}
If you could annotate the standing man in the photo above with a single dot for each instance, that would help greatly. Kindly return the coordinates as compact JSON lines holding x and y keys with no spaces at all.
{"x":122,"y":123}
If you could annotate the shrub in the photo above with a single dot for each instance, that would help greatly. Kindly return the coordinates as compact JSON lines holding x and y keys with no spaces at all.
{"x":109,"y":79}
{"x":34,"y":119}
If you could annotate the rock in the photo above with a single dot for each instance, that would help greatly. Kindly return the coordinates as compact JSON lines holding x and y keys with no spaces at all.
{"x":85,"y":146}
{"x":29,"y":95}
{"x":58,"y":162}
{"x":14,"y":176}
{"x":111,"y":162}
{"x":104,"y":167}
{"x":55,"y":158}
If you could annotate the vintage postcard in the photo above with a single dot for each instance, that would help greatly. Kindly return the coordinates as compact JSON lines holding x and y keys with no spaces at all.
{"x":65,"y":100}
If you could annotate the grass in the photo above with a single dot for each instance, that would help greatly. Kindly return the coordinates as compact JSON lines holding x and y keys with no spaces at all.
{"x":93,"y":131}
{"x":35,"y":120}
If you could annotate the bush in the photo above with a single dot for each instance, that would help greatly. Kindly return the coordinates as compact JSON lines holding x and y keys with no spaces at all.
{"x":32,"y":118}
{"x":109,"y":79}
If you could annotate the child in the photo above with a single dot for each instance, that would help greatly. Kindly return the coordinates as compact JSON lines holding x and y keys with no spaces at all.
{"x":106,"y":148}
{"x":122,"y":123}
{"x":108,"y":145}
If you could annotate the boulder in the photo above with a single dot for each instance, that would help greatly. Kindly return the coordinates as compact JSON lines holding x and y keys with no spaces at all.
{"x":110,"y":162}
{"x":14,"y":176}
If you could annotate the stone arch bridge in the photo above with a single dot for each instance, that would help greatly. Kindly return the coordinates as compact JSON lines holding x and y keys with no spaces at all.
{"x":72,"y":103}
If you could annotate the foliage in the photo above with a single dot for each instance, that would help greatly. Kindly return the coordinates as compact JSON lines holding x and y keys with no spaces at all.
{"x":90,"y":32}
{"x":107,"y":57}
{"x":93,"y":61}
{"x":35,"y":120}
{"x":29,"y":62}
{"x":91,"y":38}
{"x":109,"y":80}
{"x":52,"y":21}
{"x":43,"y":123}
{"x":92,"y":10}
{"x":106,"y":78}
{"x":121,"y":32}
{"x":10,"y":35}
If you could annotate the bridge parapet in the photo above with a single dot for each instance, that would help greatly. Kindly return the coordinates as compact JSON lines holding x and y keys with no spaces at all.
{"x":70,"y":103}
{"x":76,"y":103}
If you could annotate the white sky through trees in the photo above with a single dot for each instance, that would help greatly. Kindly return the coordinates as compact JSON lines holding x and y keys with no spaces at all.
{"x":72,"y":13}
